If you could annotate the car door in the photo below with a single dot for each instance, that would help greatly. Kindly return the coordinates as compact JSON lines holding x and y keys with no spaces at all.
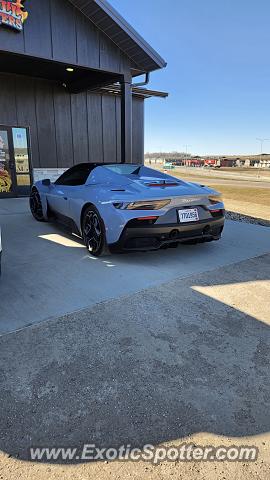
{"x":58,"y":200}
{"x":62,"y":192}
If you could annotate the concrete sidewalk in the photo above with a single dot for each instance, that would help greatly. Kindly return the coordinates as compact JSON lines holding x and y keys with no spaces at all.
{"x":185,"y":361}
{"x":48,"y":273}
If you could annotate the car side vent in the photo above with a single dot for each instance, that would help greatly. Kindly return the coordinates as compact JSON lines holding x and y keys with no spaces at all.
{"x":163,"y":184}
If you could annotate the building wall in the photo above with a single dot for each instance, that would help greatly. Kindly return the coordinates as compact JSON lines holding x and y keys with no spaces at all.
{"x":56,"y":30}
{"x":66,"y":128}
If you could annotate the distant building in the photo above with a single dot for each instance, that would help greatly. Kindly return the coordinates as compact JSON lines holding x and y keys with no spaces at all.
{"x":211,"y":162}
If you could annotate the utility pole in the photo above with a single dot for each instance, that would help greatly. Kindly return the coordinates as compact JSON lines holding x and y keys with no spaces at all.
{"x":261,"y":140}
{"x":187,"y":147}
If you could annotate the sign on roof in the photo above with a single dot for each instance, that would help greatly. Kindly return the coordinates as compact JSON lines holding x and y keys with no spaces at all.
{"x":12,"y":14}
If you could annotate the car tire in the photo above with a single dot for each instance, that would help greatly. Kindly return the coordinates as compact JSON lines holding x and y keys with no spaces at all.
{"x":94,"y":233}
{"x":36,"y":206}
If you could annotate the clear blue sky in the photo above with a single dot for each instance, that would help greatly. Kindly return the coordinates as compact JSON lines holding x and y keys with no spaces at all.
{"x":218,"y":73}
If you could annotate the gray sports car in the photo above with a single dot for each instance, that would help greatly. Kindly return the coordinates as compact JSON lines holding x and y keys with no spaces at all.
{"x":129,"y":207}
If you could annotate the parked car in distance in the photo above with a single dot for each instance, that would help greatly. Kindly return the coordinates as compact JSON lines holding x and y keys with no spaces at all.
{"x":126,"y":207}
{"x":168,"y":166}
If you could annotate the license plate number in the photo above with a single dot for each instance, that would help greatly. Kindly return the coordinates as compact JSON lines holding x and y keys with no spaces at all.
{"x":188,"y":215}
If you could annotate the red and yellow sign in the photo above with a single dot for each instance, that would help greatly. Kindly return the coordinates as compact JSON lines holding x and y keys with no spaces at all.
{"x":5,"y":181}
{"x":12,"y":14}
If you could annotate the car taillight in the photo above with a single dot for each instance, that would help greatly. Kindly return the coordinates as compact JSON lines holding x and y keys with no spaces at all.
{"x":143,"y":205}
{"x":215,"y":199}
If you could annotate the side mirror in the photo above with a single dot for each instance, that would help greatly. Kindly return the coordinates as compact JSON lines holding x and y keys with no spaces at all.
{"x":46,"y":182}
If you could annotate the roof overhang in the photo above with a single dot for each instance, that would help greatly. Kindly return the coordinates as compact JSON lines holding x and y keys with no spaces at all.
{"x":136,"y":92}
{"x":111,"y":23}
{"x":79,"y":80}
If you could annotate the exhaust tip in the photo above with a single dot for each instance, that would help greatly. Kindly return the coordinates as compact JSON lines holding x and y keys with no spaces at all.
{"x":206,"y":230}
{"x":173,"y":234}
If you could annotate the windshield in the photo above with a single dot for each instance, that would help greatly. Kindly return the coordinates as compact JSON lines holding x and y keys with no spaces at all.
{"x":124,"y":169}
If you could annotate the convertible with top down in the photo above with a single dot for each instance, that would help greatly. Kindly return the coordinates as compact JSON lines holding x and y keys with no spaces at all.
{"x":126,"y":207}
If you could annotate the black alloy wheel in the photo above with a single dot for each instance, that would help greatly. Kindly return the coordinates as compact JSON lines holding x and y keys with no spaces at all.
{"x":93,"y":231}
{"x":36,"y":206}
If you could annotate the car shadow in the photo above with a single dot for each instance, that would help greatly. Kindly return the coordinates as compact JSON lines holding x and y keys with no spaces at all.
{"x":155,"y":367}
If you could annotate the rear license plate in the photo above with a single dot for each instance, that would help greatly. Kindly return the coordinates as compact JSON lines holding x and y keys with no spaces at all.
{"x":188,"y":215}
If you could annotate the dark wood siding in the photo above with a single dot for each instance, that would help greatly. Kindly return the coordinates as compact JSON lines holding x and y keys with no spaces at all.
{"x":26,"y":111}
{"x":63,"y":25}
{"x":138,"y":130}
{"x":68,"y":129}
{"x":46,"y":125}
{"x":109,"y":129}
{"x":63,"y":128}
{"x":56,"y":30}
{"x":79,"y":118}
{"x":8,"y":107}
{"x":88,"y":42}
{"x":37,"y":37}
{"x":94,"y":125}
{"x":118,"y":128}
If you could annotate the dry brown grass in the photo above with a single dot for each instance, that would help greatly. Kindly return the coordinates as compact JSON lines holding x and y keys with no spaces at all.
{"x":253,"y":172}
{"x":258,"y":196}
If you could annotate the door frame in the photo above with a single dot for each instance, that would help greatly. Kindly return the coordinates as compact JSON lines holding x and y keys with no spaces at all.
{"x":11,"y":170}
{"x":14,"y":193}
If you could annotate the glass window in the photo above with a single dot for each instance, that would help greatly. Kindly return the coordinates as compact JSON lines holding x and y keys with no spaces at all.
{"x":20,"y":150}
{"x":76,"y":175}
{"x":124,"y":169}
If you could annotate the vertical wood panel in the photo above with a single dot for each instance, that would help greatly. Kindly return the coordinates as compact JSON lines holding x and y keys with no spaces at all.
{"x":8,"y":112}
{"x":37,"y":29}
{"x":125,"y":64}
{"x":109,"y":128}
{"x":57,"y":30}
{"x":118,"y":128}
{"x":63,"y":128}
{"x":87,"y":42}
{"x":11,"y":40}
{"x":109,"y":54}
{"x":46,"y":124}
{"x":94,"y":106}
{"x":79,"y":127}
{"x":63,"y":17}
{"x":126,"y":122}
{"x":26,"y":112}
{"x":138,"y":130}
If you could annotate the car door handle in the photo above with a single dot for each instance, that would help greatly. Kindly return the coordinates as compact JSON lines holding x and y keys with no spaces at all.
{"x":65,"y":198}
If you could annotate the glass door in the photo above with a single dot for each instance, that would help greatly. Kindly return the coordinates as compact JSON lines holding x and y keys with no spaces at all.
{"x":7,"y":174}
{"x":15,"y":171}
{"x":22,"y":160}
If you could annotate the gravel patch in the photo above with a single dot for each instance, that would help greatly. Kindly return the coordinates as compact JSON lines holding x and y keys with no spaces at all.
{"x":239,"y":217}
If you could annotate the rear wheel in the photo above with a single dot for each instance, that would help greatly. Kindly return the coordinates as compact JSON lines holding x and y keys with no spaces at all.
{"x":93,"y":231}
{"x":36,"y":206}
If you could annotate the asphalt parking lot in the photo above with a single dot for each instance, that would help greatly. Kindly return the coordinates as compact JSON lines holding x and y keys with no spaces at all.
{"x":46,"y":272}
